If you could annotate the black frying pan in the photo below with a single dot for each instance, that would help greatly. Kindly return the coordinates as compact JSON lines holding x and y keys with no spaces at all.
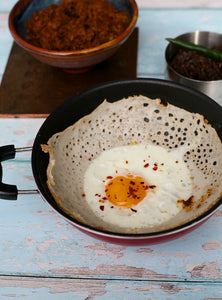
{"x":85,"y":102}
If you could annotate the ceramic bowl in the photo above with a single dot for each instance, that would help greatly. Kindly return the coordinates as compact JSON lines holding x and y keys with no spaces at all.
{"x":208,"y":39}
{"x":69,"y":60}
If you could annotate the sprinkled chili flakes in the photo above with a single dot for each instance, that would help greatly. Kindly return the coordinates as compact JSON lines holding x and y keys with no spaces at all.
{"x":101,"y":207}
{"x":128,"y":195}
{"x":133,"y":191}
{"x":98,"y":195}
{"x":155,"y":167}
{"x":152,"y":186}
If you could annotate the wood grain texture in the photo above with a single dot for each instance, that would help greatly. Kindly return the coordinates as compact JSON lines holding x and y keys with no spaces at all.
{"x":179,"y":3}
{"x":8,"y":4}
{"x":60,"y":288}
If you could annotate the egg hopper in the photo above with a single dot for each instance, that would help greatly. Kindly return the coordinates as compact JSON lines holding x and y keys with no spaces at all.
{"x":153,"y":120}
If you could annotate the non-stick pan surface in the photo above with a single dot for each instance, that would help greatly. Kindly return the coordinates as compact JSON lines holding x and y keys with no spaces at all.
{"x":85,"y":102}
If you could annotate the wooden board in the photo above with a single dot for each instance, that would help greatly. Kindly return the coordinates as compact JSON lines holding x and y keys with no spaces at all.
{"x":32,"y":89}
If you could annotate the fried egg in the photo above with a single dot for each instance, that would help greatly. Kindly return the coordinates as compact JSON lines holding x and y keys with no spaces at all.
{"x":137,"y":186}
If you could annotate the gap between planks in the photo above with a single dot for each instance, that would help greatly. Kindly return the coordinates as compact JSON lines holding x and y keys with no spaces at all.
{"x":55,"y":278}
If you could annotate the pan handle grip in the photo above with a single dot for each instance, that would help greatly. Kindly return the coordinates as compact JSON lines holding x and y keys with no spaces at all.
{"x":7,"y":191}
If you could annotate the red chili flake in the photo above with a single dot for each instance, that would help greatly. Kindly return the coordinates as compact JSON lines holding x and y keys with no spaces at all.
{"x":152,"y":186}
{"x":98,"y":195}
{"x":111,"y":206}
{"x":142,"y":182}
{"x":109,"y":177}
{"x":101,"y":207}
{"x":89,"y":159}
{"x":146,"y":187}
{"x":127,"y":162}
{"x":176,"y":161}
{"x":134,"y":210}
{"x":155,"y":167}
{"x":146,"y":165}
{"x":101,"y":201}
{"x":162,"y":164}
{"x":106,"y":190}
{"x":132,"y":182}
{"x":104,"y":198}
{"x":83,"y":195}
{"x":116,"y":171}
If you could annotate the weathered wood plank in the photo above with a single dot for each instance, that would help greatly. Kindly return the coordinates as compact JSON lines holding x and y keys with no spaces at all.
{"x":7,"y":5}
{"x":60,"y":288}
{"x":179,"y":3}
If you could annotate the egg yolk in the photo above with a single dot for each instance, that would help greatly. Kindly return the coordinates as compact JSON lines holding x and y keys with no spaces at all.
{"x":126,"y":191}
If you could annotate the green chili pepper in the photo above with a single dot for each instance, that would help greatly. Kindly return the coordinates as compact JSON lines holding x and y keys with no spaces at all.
{"x":214,"y":54}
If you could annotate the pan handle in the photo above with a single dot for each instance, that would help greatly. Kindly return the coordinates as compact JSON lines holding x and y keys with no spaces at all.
{"x":9,"y":191}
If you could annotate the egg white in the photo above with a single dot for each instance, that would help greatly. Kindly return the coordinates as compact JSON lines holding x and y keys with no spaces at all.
{"x":172,"y":179}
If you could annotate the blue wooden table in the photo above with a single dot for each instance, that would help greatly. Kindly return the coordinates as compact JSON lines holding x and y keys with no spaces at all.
{"x":43,"y":257}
